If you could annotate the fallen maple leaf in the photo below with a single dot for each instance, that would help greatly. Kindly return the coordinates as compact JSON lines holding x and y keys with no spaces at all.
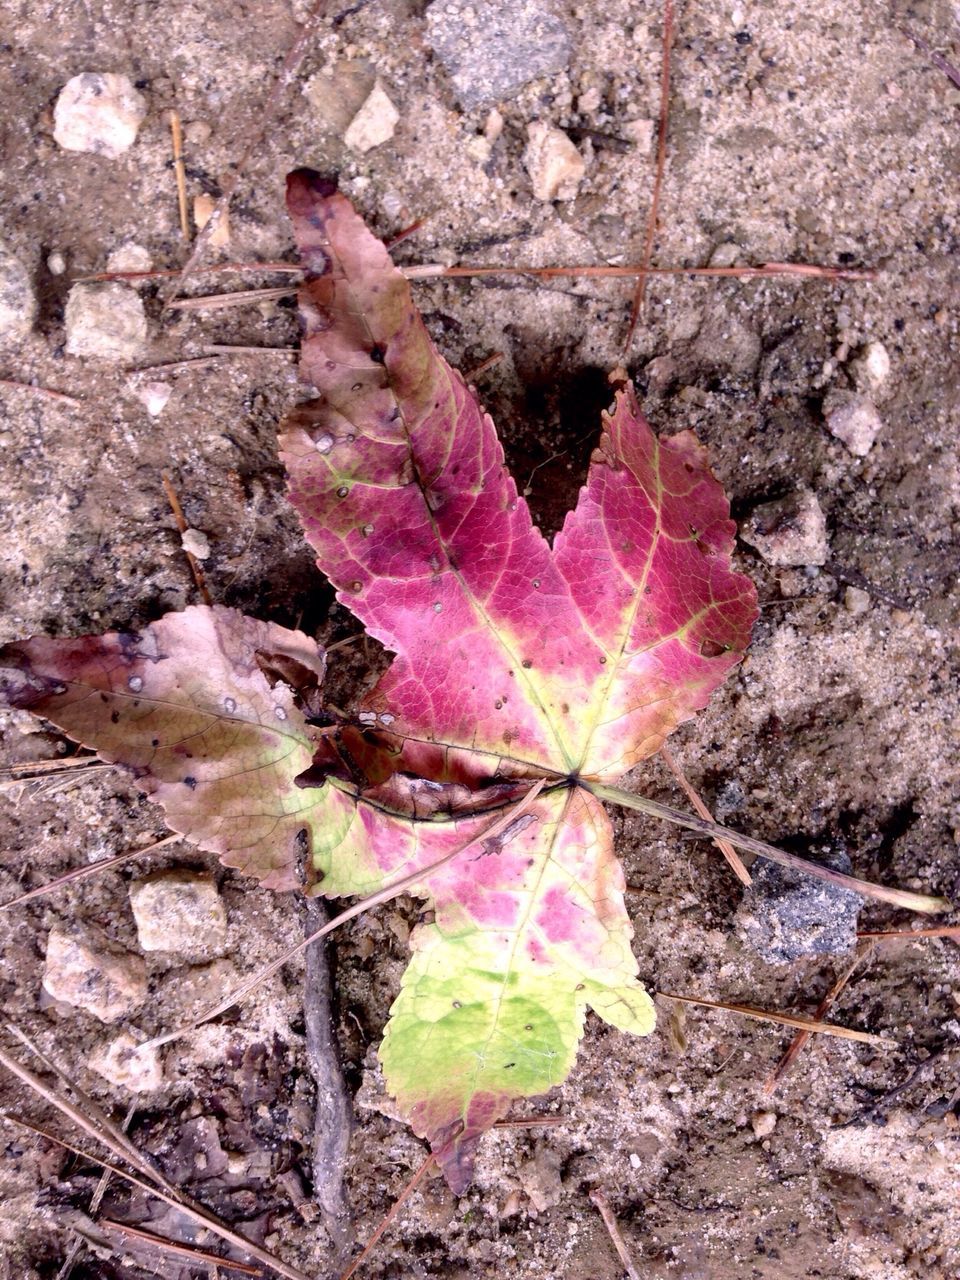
{"x":516,"y":666}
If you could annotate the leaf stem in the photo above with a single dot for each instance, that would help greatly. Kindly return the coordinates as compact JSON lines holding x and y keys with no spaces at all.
{"x":713,"y":830}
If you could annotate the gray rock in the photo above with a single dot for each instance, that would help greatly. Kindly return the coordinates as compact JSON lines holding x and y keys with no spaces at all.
{"x":179,"y":911}
{"x":491,"y":50}
{"x":84,"y":970}
{"x":105,"y":322}
{"x":789,"y":531}
{"x":99,"y":112}
{"x":785,"y":915}
{"x":18,"y":305}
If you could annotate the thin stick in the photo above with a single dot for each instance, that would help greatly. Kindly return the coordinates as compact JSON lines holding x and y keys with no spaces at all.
{"x":219,"y":349}
{"x":652,"y":217}
{"x":800,"y":1039}
{"x":198,"y":1215}
{"x":180,"y":173}
{"x":947,"y":931}
{"x":167,"y":273}
{"x":178,"y":1250}
{"x":91,"y":869}
{"x":404,"y":1195}
{"x":291,"y":65}
{"x":725,"y":847}
{"x":938,"y":60}
{"x":60,"y":396}
{"x":591,"y":270}
{"x":601,"y":1204}
{"x":898,"y":897}
{"x":40,"y":768}
{"x":483,"y":366}
{"x":238,"y":298}
{"x":365,"y":904}
{"x":182,"y":525}
{"x":169,"y":366}
{"x":96,"y":1200}
{"x":783,"y":1019}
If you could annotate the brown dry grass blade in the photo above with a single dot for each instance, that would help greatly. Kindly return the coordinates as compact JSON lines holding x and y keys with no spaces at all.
{"x":398,"y":1204}
{"x":194,"y":1256}
{"x":365,"y":904}
{"x":600,"y":1203}
{"x":198,"y":1215}
{"x":91,"y":869}
{"x":725,"y":847}
{"x":923,"y":902}
{"x":800,"y":1039}
{"x":947,"y":931}
{"x":782,"y":1019}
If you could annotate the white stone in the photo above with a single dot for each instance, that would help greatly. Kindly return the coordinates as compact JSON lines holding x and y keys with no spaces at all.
{"x":179,"y":911}
{"x":18,"y":305}
{"x":855,"y":421}
{"x":374,"y":123}
{"x":197,"y":543}
{"x":856,"y":601}
{"x":98,"y":112}
{"x":105,"y":321}
{"x":154,"y":396}
{"x":872,"y":368}
{"x":640,"y":133}
{"x":554,"y":164}
{"x":763,"y":1123}
{"x":130,"y":257}
{"x":83,"y":970}
{"x":790,"y":531}
{"x":132,"y":1066}
{"x":56,"y":263}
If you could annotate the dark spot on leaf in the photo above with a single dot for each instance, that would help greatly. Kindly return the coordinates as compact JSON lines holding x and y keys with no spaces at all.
{"x":528,"y":1027}
{"x":154,"y":742}
{"x":526,"y":664}
{"x":357,"y":386}
{"x":580,"y":986}
{"x":377,"y":354}
{"x":114,"y":717}
{"x":603,"y":661}
{"x":508,"y":1065}
{"x":711,"y":649}
{"x":457,"y":1004}
{"x":104,"y":698}
{"x":191,"y":782}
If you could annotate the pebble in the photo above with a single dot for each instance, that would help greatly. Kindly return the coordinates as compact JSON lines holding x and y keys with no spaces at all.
{"x":789,"y":531}
{"x":871,"y":369}
{"x":56,"y":263}
{"x":99,"y":112}
{"x":763,"y":1123}
{"x":154,"y":396}
{"x":179,"y":911}
{"x":83,"y":970}
{"x":374,"y":123}
{"x":856,"y":601}
{"x":854,"y":420}
{"x":124,"y":1062}
{"x":338,"y":92}
{"x":130,"y":257}
{"x":785,"y":914}
{"x":105,"y":321}
{"x":491,"y":50}
{"x":197,"y":543}
{"x":640,"y":133}
{"x":203,"y":210}
{"x":18,"y":304}
{"x":554,"y":164}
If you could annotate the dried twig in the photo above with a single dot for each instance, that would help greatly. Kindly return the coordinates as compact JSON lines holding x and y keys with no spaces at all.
{"x":238,"y":298}
{"x":182,"y":525}
{"x":91,"y":869}
{"x":333,"y":1114}
{"x":599,"y":1200}
{"x":800,"y":1039}
{"x":783,"y":1019}
{"x":725,"y":847}
{"x":401,"y":1199}
{"x":291,"y":65}
{"x":28,"y":769}
{"x":180,"y":173}
{"x":945,"y":931}
{"x":638,"y":294}
{"x":938,"y":60}
{"x":198,"y":1214}
{"x":60,"y":396}
{"x":191,"y":1255}
{"x":219,"y":349}
{"x":593,"y":270}
{"x":483,"y":366}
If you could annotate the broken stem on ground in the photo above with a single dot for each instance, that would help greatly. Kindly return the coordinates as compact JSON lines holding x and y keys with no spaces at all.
{"x":927,"y":903}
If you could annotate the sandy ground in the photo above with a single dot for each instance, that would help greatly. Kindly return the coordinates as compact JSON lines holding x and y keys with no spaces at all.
{"x":798,"y":132}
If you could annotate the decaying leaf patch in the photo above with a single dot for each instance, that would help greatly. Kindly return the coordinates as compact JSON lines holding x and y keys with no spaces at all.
{"x":517,"y":663}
